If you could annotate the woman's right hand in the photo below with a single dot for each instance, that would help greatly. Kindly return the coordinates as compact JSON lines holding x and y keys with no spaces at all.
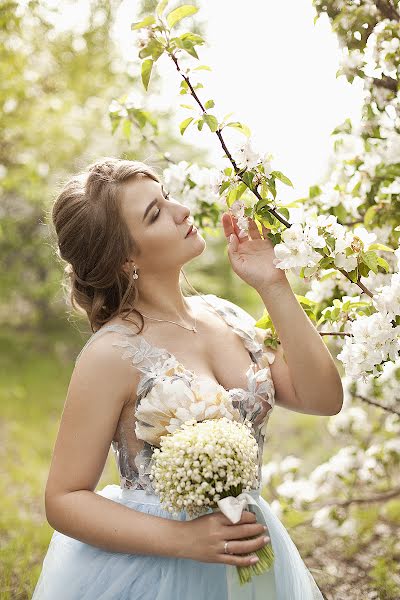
{"x":204,"y":538}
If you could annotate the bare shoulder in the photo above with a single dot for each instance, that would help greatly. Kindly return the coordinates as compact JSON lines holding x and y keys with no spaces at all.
{"x":101,"y":363}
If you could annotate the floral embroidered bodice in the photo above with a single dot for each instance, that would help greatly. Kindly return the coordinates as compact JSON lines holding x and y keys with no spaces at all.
{"x":168,"y":394}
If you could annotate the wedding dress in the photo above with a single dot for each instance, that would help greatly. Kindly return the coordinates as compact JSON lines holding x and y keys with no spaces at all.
{"x":74,"y":570}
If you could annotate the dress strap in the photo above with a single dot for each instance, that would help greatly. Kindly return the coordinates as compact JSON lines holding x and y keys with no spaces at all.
{"x":146,"y":358}
{"x":112,"y":327}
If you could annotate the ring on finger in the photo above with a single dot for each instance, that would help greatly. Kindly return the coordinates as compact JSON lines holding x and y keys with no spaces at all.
{"x":226,"y":548}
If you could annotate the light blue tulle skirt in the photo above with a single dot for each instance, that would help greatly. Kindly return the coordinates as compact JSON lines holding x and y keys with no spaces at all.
{"x":75,"y":570}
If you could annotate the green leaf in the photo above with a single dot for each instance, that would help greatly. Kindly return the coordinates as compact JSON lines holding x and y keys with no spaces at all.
{"x":183,"y":126}
{"x":189,"y":48}
{"x":211,"y":121}
{"x":340,"y":212}
{"x":223,"y":186}
{"x":231,"y":197}
{"x":370,"y":259}
{"x":345,"y":127}
{"x":271,"y":186}
{"x":154,"y":49}
{"x":380,"y":247}
{"x":353,"y":275}
{"x":184,"y":87}
{"x":203,"y":68}
{"x":356,"y":188}
{"x":241,"y":188}
{"x":126,"y":128}
{"x":267,"y":219}
{"x":243,"y":128}
{"x":161,"y":6}
{"x":200,"y":124}
{"x":305,"y":300}
{"x":364,"y":269}
{"x":264,"y":321}
{"x":281,"y":177}
{"x":149,"y":20}
{"x":192,"y":37}
{"x":314,"y":191}
{"x":187,"y":106}
{"x":370,"y":215}
{"x":185,"y":44}
{"x":209,"y":104}
{"x":309,"y":271}
{"x":147,"y":66}
{"x":180,"y":13}
{"x":383,"y":263}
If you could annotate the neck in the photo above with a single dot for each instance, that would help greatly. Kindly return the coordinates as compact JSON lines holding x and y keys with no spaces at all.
{"x":161,"y":297}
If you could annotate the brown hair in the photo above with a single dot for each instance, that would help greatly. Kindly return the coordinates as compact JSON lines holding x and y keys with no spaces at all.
{"x":94,"y":240}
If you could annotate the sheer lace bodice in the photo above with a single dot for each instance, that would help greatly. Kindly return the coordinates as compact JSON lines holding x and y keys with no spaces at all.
{"x":166,"y":384}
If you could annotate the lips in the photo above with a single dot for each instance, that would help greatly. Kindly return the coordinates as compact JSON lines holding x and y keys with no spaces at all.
{"x":189,"y":230}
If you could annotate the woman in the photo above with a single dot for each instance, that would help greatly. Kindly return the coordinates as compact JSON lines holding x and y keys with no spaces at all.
{"x":124,"y":241}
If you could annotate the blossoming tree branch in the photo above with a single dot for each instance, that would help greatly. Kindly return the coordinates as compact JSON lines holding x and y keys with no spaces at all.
{"x":342,"y":238}
{"x":308,"y":247}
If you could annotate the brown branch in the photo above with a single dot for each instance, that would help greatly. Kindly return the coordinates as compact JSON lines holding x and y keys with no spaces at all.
{"x":228,"y":154}
{"x":335,"y":333}
{"x":378,"y":498}
{"x":385,"y":82}
{"x":239,"y":171}
{"x":352,"y":223}
{"x":373,"y":403}
{"x":387,"y":10}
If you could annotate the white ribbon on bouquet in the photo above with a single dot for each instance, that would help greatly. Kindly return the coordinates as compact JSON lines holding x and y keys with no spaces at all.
{"x":232,"y":506}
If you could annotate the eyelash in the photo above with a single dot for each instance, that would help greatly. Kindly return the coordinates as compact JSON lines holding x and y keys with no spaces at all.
{"x":166,"y":196}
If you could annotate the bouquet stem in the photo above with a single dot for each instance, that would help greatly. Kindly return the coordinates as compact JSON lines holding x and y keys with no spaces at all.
{"x":266,"y":556}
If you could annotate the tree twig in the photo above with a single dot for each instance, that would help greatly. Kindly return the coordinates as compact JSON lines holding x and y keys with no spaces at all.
{"x":240,"y":171}
{"x":387,"y":9}
{"x":373,"y":403}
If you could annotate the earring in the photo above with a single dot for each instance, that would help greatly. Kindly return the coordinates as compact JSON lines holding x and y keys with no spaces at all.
{"x":135,"y":275}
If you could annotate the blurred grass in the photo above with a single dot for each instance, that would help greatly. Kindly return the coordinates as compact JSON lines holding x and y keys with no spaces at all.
{"x":34,"y":377}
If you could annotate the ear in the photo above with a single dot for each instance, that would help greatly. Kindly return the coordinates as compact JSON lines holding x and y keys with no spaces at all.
{"x":127,"y":265}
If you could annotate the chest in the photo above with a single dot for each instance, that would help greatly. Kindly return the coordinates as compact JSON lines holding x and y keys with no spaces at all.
{"x":215,"y":351}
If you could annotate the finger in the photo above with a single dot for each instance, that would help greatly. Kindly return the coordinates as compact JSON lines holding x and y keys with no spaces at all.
{"x":253,"y":230}
{"x":242,"y":238}
{"x":246,"y":517}
{"x":240,"y":547}
{"x":265,"y":230}
{"x":227,"y":224}
{"x":238,"y":561}
{"x":246,"y":530}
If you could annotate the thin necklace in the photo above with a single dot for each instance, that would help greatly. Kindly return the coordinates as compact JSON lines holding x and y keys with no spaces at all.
{"x":192,"y":328}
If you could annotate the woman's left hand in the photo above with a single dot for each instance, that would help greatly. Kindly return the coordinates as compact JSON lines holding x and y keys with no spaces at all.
{"x":252,"y":256}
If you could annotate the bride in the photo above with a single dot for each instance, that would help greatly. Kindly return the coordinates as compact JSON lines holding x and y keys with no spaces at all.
{"x":124,"y":241}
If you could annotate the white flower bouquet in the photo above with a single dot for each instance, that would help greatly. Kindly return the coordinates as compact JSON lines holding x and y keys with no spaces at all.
{"x":209,"y":464}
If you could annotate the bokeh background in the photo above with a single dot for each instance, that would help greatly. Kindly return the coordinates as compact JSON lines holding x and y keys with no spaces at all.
{"x":61,"y":66}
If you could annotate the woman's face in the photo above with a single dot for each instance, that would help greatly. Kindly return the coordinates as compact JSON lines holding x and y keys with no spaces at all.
{"x":158,"y":224}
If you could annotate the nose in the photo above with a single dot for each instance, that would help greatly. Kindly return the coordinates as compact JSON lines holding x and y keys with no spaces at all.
{"x":186,"y":213}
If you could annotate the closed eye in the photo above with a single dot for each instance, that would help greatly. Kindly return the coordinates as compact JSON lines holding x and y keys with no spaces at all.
{"x":166,"y":196}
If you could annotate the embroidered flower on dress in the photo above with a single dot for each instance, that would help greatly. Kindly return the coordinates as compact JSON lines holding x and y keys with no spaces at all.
{"x":140,"y":351}
{"x":168,"y":394}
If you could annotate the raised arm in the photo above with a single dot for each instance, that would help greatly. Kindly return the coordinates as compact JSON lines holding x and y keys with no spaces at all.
{"x":100,"y":385}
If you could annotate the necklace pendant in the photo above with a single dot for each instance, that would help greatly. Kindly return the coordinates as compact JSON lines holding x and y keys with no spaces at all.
{"x":194,"y":329}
